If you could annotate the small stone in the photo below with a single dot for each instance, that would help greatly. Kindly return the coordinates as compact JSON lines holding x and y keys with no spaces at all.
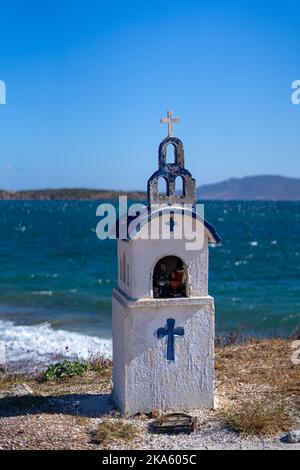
{"x":293,"y":437}
{"x":20,"y":390}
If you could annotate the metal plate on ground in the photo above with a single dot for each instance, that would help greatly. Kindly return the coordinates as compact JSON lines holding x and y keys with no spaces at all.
{"x":175,"y":423}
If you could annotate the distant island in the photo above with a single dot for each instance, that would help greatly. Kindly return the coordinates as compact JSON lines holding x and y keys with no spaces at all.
{"x":70,"y":194}
{"x":250,"y":188}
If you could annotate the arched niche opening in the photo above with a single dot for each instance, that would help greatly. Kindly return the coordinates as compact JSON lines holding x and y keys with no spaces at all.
{"x":163,"y":186}
{"x":180,"y":186}
{"x":169,"y":278}
{"x":171,"y":154}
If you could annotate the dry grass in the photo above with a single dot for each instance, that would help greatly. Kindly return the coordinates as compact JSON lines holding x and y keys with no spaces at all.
{"x":82,"y":421}
{"x":103,"y":369}
{"x":265,"y":364}
{"x":264,"y":371}
{"x":265,"y":417}
{"x":110,"y":432}
{"x":7,"y":380}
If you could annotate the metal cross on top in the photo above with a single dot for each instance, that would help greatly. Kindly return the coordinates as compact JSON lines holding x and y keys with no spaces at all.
{"x":170,"y":332}
{"x":169,"y":120}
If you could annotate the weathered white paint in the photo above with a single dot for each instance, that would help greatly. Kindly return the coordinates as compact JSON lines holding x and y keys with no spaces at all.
{"x":143,"y":378}
{"x":142,"y":256}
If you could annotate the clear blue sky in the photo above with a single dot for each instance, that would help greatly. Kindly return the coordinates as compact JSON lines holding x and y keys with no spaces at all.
{"x":87,"y":82}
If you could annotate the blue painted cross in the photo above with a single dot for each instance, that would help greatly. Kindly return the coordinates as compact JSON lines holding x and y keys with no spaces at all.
{"x":172,"y":222}
{"x":170,"y":331}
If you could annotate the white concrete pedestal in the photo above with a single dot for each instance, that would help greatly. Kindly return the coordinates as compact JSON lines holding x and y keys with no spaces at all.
{"x":144,"y":380}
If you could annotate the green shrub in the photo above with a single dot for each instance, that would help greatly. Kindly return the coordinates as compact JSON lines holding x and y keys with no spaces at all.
{"x":64,"y":369}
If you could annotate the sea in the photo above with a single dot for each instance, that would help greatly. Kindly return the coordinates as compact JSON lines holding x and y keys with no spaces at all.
{"x":57,"y":277}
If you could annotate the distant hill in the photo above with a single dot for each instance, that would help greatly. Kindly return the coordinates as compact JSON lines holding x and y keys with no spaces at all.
{"x":70,"y":194}
{"x":265,"y":187}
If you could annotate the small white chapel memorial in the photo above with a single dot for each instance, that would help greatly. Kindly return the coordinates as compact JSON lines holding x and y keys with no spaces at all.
{"x":163,"y":316}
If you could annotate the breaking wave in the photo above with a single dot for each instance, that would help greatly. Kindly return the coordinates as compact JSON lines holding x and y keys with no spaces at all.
{"x":41,"y":345}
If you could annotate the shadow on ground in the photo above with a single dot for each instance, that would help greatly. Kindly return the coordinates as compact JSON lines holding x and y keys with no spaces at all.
{"x":88,"y":405}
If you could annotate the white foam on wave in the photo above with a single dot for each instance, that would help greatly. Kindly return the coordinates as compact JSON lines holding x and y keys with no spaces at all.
{"x":41,"y":344}
{"x":42,"y":292}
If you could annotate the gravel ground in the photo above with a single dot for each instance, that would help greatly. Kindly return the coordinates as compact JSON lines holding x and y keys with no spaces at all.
{"x":71,"y":422}
{"x":59,"y":431}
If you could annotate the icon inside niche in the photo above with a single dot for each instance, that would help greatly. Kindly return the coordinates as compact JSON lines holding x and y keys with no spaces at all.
{"x":169,"y":278}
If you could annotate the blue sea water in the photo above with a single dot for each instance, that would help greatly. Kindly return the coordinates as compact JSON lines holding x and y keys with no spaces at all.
{"x":56,"y":277}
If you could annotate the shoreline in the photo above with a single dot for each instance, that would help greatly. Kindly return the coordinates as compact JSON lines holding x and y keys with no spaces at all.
{"x":28,"y":365}
{"x":27,"y":347}
{"x":70,"y":194}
